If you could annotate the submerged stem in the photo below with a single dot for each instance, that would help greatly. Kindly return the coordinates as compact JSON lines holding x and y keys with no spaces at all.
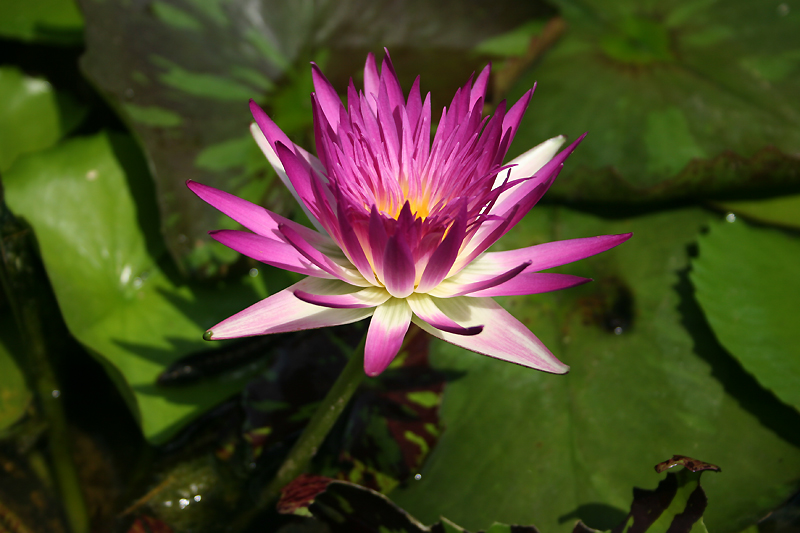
{"x":329,"y":410}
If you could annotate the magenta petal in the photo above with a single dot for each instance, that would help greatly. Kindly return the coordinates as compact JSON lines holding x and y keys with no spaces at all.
{"x":319,"y":259}
{"x":532,"y":283}
{"x":387,"y":328}
{"x":271,"y":131}
{"x":453,"y":288}
{"x":369,"y":297}
{"x":445,"y":255}
{"x":269,"y":251}
{"x":283,"y":312}
{"x":398,"y":268}
{"x":326,"y":96}
{"x":352,"y":246}
{"x":503,"y":336}
{"x":252,"y":216}
{"x":553,"y":254}
{"x":425,"y":308}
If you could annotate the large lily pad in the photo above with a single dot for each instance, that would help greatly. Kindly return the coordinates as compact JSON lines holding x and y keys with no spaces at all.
{"x":33,"y":116}
{"x":680,"y":98}
{"x":92,"y":210}
{"x":44,"y":21}
{"x":647,"y":380}
{"x":747,"y":284}
{"x":180,"y":73}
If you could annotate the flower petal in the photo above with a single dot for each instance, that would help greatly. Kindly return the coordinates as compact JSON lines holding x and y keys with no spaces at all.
{"x":269,"y":251}
{"x":327,"y":97}
{"x":398,"y":268}
{"x":530,"y":162}
{"x":283,"y":312}
{"x":466,"y":282}
{"x":423,"y":306}
{"x":503,"y":336}
{"x":321,"y":260}
{"x":551,"y":254}
{"x":369,"y":297}
{"x":252,"y":216}
{"x":532,"y":283}
{"x":387,"y":328}
{"x":445,"y":255}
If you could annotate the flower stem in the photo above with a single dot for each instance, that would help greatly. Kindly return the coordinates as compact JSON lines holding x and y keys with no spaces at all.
{"x":329,"y":410}
{"x":320,"y":424}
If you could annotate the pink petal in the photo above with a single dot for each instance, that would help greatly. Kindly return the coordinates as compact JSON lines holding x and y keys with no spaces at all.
{"x":532,"y":283}
{"x":529,"y":163}
{"x":352,"y":246}
{"x":274,"y":160}
{"x":283,"y":312}
{"x":398,"y":268}
{"x":466,"y":282}
{"x":503,"y":336}
{"x":422,"y":305}
{"x":445,"y":255}
{"x":269,"y":251}
{"x":321,"y":260}
{"x":252,"y":216}
{"x":326,"y":96}
{"x":553,"y":254}
{"x":387,"y":328}
{"x":369,"y":297}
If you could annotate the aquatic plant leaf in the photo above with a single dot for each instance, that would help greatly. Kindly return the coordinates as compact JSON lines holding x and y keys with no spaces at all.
{"x":347,"y":507}
{"x":647,"y":379}
{"x":180,"y":73}
{"x":33,"y":116}
{"x":676,"y":505}
{"x":778,"y":210}
{"x":42,"y":21}
{"x":90,"y":204}
{"x":746,"y":282}
{"x":680,"y":99}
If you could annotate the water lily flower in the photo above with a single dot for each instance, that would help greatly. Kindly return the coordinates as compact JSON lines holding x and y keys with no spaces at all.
{"x":402,"y":224}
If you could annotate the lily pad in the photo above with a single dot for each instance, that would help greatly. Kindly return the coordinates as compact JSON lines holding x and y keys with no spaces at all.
{"x":779,"y":210}
{"x":180,"y":72}
{"x":680,"y":98}
{"x":33,"y":116}
{"x":42,"y":21}
{"x":91,"y":207}
{"x":747,"y":285}
{"x":647,"y":380}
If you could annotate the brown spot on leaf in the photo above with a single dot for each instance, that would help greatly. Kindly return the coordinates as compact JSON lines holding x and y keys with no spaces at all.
{"x":611,"y":307}
{"x":690,"y":464}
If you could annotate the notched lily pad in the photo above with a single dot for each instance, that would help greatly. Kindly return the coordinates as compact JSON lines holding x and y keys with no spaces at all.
{"x":680,"y":99}
{"x":90,"y":204}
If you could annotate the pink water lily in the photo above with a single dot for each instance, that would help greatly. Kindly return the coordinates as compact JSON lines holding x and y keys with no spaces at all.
{"x":403,"y":224}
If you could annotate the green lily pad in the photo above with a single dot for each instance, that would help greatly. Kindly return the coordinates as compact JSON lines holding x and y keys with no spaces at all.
{"x":90,"y":205}
{"x":183,"y":90}
{"x":14,"y":393}
{"x":779,"y":210}
{"x":680,"y":99}
{"x":647,"y":380}
{"x":33,"y":116}
{"x":43,"y":21}
{"x":747,"y":285}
